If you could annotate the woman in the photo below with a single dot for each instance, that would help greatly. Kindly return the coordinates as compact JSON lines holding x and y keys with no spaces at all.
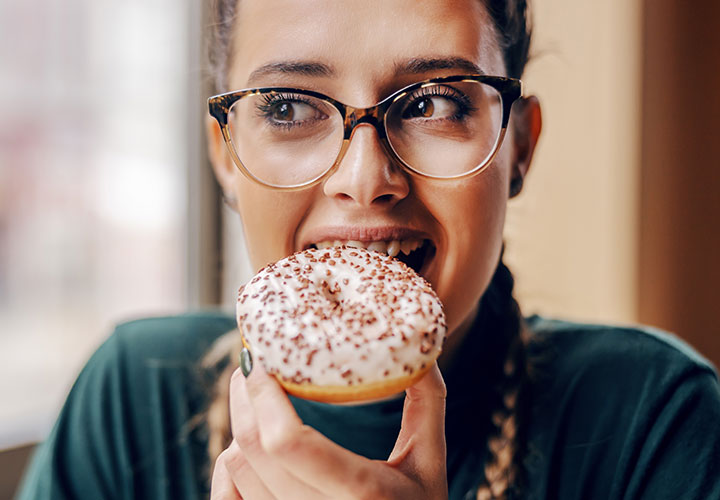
{"x":517,"y":409}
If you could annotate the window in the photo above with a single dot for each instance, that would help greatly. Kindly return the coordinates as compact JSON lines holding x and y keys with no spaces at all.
{"x":94,"y":132}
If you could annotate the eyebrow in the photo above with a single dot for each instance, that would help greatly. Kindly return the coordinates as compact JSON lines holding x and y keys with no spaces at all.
{"x":304,"y":68}
{"x":425,"y":65}
{"x":416,"y":65}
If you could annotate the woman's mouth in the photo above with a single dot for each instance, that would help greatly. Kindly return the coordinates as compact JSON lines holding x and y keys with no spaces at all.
{"x":415,"y":253}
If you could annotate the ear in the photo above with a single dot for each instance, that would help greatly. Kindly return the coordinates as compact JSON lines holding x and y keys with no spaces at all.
{"x":527,"y":124}
{"x":225,"y":170}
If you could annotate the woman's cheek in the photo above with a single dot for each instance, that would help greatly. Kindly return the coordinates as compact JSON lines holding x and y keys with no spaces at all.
{"x":473,"y":222}
{"x":270,"y":221}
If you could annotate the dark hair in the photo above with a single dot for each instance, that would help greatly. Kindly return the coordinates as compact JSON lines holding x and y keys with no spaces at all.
{"x":504,"y":474}
{"x":220,"y":51}
{"x":514,"y":28}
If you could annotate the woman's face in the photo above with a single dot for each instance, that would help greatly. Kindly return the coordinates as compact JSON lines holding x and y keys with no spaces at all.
{"x":368,"y":48}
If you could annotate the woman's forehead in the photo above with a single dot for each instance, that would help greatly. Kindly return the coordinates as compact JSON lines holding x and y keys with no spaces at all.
{"x":278,"y":42}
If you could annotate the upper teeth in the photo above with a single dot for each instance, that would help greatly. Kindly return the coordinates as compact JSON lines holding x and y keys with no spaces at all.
{"x":392,"y":248}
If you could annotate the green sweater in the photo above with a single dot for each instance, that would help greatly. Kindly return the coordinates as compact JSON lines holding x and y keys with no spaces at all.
{"x":620,"y":413}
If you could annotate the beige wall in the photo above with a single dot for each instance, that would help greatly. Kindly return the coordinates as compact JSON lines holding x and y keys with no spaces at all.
{"x":572,"y":234}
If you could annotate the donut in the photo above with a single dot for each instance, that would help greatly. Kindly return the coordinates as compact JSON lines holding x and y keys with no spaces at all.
{"x":341,"y":324}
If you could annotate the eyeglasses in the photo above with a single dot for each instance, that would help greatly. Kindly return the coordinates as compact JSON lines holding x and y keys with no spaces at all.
{"x":442,"y":128}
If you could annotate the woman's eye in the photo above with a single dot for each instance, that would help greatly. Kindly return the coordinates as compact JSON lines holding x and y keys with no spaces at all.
{"x":288,"y":111}
{"x":432,"y":107}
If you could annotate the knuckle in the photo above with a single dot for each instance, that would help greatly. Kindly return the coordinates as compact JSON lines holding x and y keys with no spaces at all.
{"x":283,"y":441}
{"x":370,"y":486}
{"x":437,"y":383}
{"x":244,"y":430}
{"x":237,"y":465}
{"x":373,"y":491}
{"x":222,"y":458}
{"x":441,"y":389}
{"x":236,"y":378}
{"x":246,"y":439}
{"x":232,"y":458}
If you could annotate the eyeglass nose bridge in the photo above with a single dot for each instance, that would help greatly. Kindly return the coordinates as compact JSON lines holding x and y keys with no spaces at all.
{"x":373,"y":116}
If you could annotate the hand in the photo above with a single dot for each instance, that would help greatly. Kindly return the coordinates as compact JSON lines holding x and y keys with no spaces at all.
{"x":273,"y":455}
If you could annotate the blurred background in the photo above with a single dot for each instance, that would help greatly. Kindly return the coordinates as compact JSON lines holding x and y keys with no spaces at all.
{"x":108,"y":210}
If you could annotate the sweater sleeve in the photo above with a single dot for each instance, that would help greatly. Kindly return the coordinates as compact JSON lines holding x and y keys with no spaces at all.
{"x":131,"y":427}
{"x":86,"y":454}
{"x":674,"y":451}
{"x":623,"y":414}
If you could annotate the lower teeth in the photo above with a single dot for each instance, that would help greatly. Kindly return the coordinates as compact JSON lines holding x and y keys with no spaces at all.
{"x":417,"y":257}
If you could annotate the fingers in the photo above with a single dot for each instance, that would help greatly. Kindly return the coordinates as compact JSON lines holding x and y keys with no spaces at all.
{"x":277,"y":481}
{"x":420,"y":448}
{"x":295,"y":461}
{"x":307,"y":454}
{"x":223,"y":487}
{"x":244,"y":478}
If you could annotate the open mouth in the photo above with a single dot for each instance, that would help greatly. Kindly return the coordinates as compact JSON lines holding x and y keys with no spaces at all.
{"x":415,"y":253}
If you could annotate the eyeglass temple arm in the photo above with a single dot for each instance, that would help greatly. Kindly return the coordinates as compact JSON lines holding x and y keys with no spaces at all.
{"x":511,"y":90}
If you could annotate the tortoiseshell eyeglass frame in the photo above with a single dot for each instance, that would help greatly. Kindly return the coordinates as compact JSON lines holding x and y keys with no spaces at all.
{"x":510,"y":90}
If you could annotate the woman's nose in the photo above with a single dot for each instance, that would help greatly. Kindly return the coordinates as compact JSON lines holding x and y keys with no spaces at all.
{"x":367,"y":176}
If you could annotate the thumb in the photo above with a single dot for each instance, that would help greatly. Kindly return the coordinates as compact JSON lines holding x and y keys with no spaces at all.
{"x":420,"y":446}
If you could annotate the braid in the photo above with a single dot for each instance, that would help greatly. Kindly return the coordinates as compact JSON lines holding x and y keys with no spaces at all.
{"x":217,"y":416}
{"x":503,"y":468}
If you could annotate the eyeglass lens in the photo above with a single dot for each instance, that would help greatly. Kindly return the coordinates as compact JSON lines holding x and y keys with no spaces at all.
{"x":442,"y":130}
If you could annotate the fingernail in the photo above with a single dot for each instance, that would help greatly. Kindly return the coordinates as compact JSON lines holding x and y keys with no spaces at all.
{"x":246,"y":363}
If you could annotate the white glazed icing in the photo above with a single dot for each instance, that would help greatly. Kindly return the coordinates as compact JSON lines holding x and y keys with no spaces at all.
{"x":341,"y":316}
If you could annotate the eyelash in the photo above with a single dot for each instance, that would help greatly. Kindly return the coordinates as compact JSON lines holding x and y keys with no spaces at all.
{"x":462,"y":101}
{"x":265,"y":110}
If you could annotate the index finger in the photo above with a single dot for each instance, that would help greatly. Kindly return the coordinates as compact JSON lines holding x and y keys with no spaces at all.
{"x":275,"y":478}
{"x":222,"y":486}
